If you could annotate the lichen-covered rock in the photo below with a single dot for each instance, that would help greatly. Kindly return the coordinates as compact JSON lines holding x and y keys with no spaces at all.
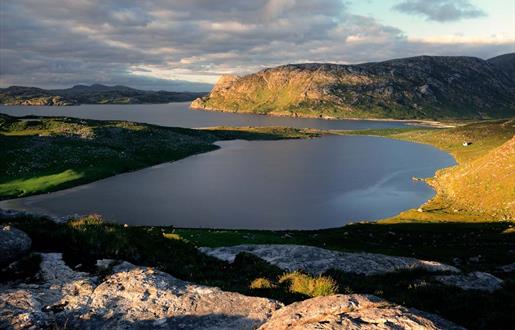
{"x":36,"y":305}
{"x":130,"y":298}
{"x":14,"y":244}
{"x":352,"y":312}
{"x":316,"y":260}
{"x":143,"y":297}
{"x":472,"y":281}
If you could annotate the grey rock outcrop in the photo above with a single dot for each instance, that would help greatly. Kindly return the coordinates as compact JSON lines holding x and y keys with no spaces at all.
{"x":141,"y":298}
{"x":352,"y":312}
{"x":131,"y":298}
{"x":472,"y":281}
{"x":36,"y":305}
{"x":316,"y":260}
{"x":14,"y":244}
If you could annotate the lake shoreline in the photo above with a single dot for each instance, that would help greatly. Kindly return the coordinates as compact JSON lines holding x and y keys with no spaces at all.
{"x":424,"y":211}
{"x":415,"y":122}
{"x":331,"y":221}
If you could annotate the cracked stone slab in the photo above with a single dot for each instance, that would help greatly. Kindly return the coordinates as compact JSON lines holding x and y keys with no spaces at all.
{"x":472,"y":281}
{"x":315,"y":260}
{"x":352,"y":312}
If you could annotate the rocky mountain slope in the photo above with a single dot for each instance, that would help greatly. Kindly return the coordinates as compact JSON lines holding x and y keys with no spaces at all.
{"x":94,"y":94}
{"x":423,"y":87}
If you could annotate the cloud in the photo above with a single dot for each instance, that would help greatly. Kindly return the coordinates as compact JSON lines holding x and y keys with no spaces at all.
{"x":163,"y":44}
{"x":440,"y":10}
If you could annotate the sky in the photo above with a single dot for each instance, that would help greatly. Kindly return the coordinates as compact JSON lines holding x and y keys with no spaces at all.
{"x":188,"y":44}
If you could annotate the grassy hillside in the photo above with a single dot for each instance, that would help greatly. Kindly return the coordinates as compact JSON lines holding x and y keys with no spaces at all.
{"x":482,"y":185}
{"x":422,"y":87}
{"x":47,"y":154}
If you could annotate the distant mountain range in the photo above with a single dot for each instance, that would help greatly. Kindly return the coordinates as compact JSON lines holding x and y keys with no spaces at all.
{"x":423,"y":87}
{"x":94,"y":94}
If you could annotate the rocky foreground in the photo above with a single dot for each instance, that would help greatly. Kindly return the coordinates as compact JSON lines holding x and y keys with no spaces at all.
{"x":123,"y":296}
{"x":132,"y":297}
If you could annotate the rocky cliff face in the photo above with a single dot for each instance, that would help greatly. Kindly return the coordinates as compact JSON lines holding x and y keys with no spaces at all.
{"x":424,"y":87}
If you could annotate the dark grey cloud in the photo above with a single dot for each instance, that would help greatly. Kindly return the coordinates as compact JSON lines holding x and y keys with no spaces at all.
{"x":440,"y":10}
{"x":160,"y":44}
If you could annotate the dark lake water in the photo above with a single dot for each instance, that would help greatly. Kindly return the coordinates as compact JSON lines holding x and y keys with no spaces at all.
{"x":291,"y":184}
{"x":179,"y":114}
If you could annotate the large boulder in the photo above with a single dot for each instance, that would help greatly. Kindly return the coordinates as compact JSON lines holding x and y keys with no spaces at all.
{"x":130,"y":298}
{"x":146,"y":298}
{"x":352,"y":312}
{"x":14,"y":244}
{"x":316,"y":260}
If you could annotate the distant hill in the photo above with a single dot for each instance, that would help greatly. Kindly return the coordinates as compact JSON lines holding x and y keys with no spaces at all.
{"x":422,"y":87}
{"x":94,"y":94}
{"x":505,"y":63}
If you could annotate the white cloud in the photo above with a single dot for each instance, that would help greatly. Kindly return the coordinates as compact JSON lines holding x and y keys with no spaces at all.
{"x":440,"y":10}
{"x":63,"y":42}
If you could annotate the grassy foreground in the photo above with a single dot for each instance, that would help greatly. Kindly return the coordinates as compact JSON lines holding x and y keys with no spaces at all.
{"x":46,"y":154}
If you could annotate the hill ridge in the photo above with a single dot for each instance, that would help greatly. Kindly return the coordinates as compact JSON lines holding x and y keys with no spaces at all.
{"x":420,"y":87}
